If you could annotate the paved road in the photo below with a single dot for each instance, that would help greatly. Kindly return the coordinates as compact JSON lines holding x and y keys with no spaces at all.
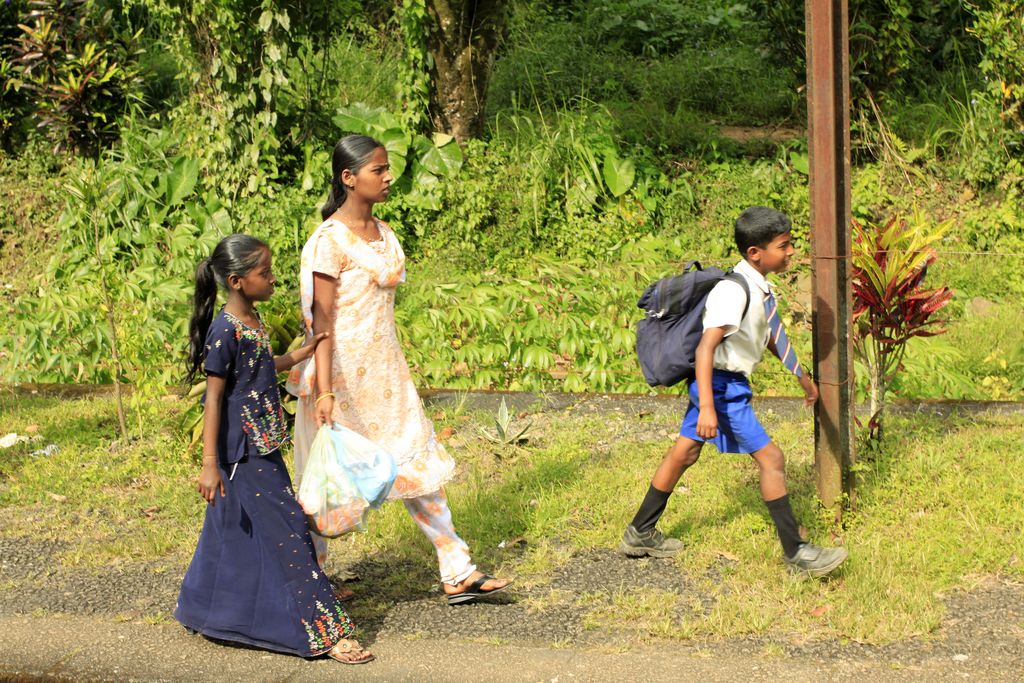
{"x":77,"y":648}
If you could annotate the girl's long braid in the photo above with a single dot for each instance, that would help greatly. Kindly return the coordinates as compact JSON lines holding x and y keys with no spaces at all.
{"x":203,"y":301}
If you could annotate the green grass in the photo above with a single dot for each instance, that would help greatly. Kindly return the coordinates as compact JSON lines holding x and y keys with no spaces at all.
{"x":938,"y":507}
{"x":111,"y":501}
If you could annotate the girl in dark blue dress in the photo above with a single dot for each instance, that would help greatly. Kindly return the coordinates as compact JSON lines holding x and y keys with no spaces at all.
{"x":254,"y":577}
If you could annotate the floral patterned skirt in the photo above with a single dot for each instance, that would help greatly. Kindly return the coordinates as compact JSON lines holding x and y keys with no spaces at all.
{"x":254,"y":577}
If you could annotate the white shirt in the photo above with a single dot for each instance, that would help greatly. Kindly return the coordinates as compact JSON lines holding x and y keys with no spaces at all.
{"x":746,"y":337}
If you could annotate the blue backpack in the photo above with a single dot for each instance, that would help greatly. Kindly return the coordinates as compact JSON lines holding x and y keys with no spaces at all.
{"x":667,"y":339}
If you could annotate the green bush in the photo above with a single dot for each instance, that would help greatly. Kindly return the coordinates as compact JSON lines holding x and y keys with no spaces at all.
{"x":726,"y":83}
{"x":79,"y":68}
{"x":560,"y":185}
{"x":998,"y":227}
{"x":337,"y":71}
{"x":549,"y":65}
{"x":999,"y":26}
{"x":603,"y":168}
{"x":117,"y":278}
{"x":14,"y":102}
{"x":553,"y":324}
{"x":663,"y":69}
{"x":653,"y":28}
{"x":893,"y":43}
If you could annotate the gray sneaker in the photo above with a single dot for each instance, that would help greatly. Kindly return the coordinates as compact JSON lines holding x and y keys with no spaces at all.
{"x":653,"y":543}
{"x":814,"y":561}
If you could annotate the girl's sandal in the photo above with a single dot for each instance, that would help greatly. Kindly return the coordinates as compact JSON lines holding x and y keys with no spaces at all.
{"x":342,"y":593}
{"x":349,"y":652}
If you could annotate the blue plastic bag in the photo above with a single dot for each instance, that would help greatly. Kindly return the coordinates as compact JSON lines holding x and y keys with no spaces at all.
{"x":371,"y":468}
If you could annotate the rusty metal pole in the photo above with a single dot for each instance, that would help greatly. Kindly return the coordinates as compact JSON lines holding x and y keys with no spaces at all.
{"x":828,"y":130}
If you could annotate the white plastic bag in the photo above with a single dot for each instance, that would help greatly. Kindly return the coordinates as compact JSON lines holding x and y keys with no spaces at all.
{"x":331,"y":500}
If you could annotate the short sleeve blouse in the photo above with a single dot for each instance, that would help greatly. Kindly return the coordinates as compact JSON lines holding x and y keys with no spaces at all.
{"x":252,"y":421}
{"x":328,"y":257}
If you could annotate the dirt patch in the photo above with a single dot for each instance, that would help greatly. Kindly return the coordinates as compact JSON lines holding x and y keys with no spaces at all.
{"x":761,"y":133}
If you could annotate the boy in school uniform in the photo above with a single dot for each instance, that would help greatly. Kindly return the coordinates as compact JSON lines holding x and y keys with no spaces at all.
{"x":720,"y":411}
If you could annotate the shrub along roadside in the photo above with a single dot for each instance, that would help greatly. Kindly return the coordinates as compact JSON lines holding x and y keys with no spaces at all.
{"x":891,"y":305}
{"x":552,"y":324}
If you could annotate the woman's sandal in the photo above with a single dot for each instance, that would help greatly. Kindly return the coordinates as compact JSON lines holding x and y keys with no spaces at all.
{"x":344,"y":650}
{"x":475,"y":591}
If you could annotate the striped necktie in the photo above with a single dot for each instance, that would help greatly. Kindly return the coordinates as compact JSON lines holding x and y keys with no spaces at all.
{"x":783,"y":349}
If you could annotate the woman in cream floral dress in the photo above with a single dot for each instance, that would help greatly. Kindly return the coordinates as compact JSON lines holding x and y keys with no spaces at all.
{"x":350,"y":268}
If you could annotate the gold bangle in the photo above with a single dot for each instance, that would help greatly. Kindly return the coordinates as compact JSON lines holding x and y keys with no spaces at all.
{"x":323,"y":396}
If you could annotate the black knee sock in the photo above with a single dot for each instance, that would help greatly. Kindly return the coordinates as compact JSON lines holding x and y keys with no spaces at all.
{"x":785,"y":524}
{"x":650,"y":510}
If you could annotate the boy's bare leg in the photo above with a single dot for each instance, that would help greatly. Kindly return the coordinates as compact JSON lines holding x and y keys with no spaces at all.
{"x":680,"y":456}
{"x":772,"y":467}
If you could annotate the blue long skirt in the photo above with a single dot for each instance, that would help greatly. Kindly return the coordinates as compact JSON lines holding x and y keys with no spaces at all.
{"x":254,"y":577}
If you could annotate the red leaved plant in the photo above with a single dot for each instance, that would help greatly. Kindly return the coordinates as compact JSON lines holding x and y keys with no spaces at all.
{"x":890,"y":303}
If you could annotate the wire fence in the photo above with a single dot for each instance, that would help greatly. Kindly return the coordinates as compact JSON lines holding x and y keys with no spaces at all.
{"x":1008,"y":254}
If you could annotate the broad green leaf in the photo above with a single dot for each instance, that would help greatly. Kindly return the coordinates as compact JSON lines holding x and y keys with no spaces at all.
{"x":799,"y":162}
{"x":386,"y":119}
{"x":443,"y":161}
{"x":182,"y":180}
{"x":357,"y":118}
{"x":441,"y":139}
{"x":221,"y":219}
{"x":422,"y":178}
{"x":421,"y":144}
{"x":396,"y":142}
{"x":619,"y":174}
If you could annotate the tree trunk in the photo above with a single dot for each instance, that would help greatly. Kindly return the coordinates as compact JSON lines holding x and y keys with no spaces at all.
{"x":115,"y":353}
{"x":462,"y":40}
{"x":877,"y":402}
{"x":114,"y":350}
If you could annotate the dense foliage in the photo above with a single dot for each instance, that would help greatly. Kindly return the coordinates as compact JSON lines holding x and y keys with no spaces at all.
{"x":622,"y":137}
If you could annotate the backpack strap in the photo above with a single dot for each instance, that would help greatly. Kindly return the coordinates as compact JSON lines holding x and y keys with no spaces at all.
{"x":742,"y":281}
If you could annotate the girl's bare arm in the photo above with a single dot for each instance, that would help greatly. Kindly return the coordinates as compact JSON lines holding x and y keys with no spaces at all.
{"x":209,"y":481}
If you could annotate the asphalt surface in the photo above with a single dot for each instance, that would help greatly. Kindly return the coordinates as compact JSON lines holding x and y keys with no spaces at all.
{"x":113,"y":624}
{"x":87,"y":649}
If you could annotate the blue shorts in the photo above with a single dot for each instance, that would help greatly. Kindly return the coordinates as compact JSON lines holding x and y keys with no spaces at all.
{"x":738,"y":428}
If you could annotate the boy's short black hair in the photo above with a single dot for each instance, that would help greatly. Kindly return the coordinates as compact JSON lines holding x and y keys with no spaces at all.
{"x":759,"y":225}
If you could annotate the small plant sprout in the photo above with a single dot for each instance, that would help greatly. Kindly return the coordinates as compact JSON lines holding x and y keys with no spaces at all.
{"x":503,"y":432}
